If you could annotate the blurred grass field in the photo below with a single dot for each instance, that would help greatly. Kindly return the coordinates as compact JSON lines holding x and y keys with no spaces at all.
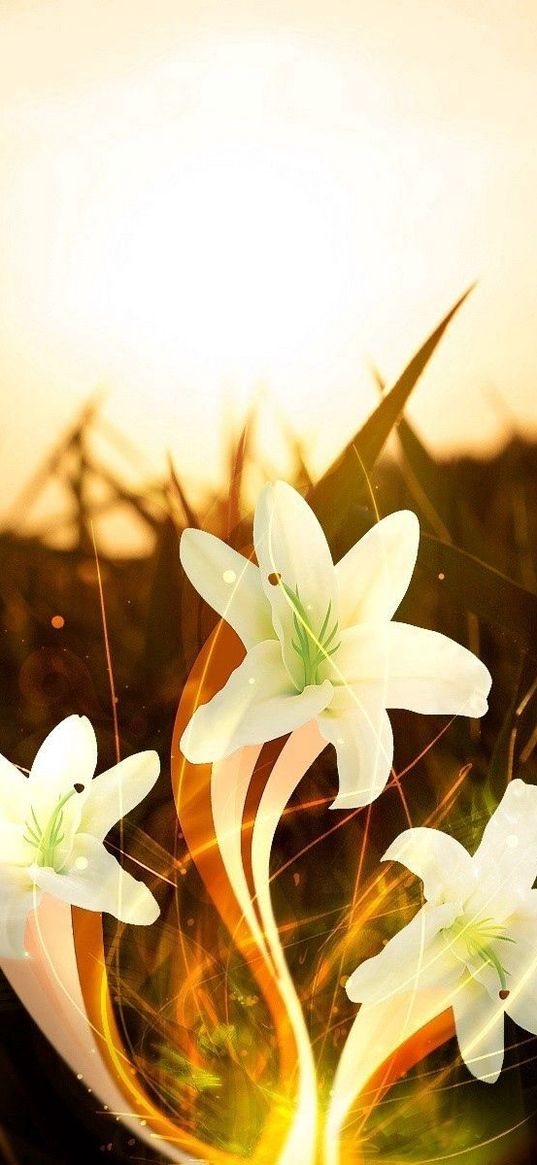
{"x":53,"y":662}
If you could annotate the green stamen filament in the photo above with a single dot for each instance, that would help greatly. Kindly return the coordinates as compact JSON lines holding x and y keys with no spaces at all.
{"x":46,"y":841}
{"x":311,"y":649}
{"x":478,"y":938}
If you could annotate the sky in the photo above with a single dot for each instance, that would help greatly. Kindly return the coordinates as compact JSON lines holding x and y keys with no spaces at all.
{"x":202,"y":203}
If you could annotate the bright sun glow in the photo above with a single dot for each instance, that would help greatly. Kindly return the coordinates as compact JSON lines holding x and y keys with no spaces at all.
{"x":189,"y":217}
{"x":217,"y":249}
{"x":238,"y":265}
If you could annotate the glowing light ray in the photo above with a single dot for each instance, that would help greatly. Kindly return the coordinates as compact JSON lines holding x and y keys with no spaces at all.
{"x":480,"y":1144}
{"x":347,"y":922}
{"x":204,"y":804}
{"x":302,"y":748}
{"x":117,"y":745}
{"x":377,"y":1033}
{"x":382,"y":886}
{"x":230,"y":782}
{"x":49,"y":986}
{"x":355,"y":1067}
{"x":347,"y":938}
{"x":436,"y":1081}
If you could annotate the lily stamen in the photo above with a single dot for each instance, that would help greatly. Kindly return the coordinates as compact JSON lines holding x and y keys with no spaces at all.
{"x":478,"y":937}
{"x":47,"y":840}
{"x":307,"y":639}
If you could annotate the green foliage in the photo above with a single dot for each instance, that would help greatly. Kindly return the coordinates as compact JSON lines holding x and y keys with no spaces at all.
{"x":185,"y":1074}
{"x":220,"y":1041}
{"x":333,"y":497}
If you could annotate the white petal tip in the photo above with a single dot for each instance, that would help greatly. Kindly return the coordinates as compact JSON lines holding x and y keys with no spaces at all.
{"x":352,"y":990}
{"x":192,"y":750}
{"x":143,"y":910}
{"x":485,"y":1077}
{"x":151,"y":762}
{"x":198,"y":744}
{"x":187,"y":537}
{"x":405,"y":843}
{"x":281,"y":492}
{"x":477,"y":707}
{"x":407,"y":516}
{"x":405,"y":523}
{"x":85,"y":721}
{"x":148,"y":913}
{"x":345,"y":802}
{"x":359,"y":799}
{"x":492,"y":1079}
{"x":394,"y":852}
{"x":187,"y":552}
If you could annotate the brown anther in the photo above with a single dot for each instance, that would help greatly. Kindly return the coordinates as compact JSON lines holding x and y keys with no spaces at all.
{"x":78,"y":788}
{"x":504,"y":994}
{"x":274,"y":579}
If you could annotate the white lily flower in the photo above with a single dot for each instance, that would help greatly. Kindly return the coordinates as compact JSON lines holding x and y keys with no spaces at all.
{"x":321,"y":643}
{"x":52,"y":827}
{"x":475,"y":939}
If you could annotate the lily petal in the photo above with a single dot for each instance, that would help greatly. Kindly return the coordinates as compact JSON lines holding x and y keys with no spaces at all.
{"x":13,"y":791}
{"x":363,"y":738}
{"x":374,"y":576}
{"x":444,"y":866}
{"x":18,"y":897}
{"x":68,"y":756}
{"x":412,"y":668}
{"x":523,"y":1008}
{"x":96,"y":881}
{"x":257,"y":704}
{"x":520,"y":961}
{"x":291,"y":549}
{"x":479,"y":1023}
{"x":413,"y":959}
{"x":13,"y":848}
{"x":115,"y":792}
{"x":229,"y":583}
{"x":506,"y":857}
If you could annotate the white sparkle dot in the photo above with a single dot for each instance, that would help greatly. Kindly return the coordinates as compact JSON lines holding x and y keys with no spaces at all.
{"x":251,"y":680}
{"x":81,"y":863}
{"x":340,"y":740}
{"x":512,"y":841}
{"x":229,"y":576}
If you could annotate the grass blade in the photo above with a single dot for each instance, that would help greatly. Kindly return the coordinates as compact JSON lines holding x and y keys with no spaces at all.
{"x":332,"y":497}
